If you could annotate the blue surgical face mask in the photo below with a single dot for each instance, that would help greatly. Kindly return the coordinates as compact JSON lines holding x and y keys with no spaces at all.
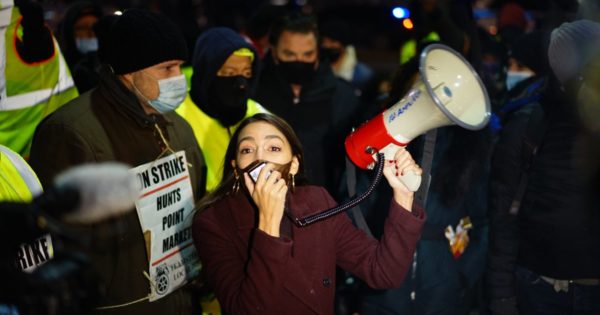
{"x":86,"y":45}
{"x":172,"y":92}
{"x":514,"y":77}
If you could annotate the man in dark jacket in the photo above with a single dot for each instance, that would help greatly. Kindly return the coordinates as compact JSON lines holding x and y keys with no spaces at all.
{"x":129,"y":118}
{"x":544,"y":207}
{"x":302,"y":89}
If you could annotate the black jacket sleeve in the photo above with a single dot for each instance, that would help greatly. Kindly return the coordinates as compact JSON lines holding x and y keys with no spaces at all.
{"x":504,"y":232}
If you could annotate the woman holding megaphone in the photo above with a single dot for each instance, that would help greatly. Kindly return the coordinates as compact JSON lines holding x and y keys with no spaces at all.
{"x":255,"y":256}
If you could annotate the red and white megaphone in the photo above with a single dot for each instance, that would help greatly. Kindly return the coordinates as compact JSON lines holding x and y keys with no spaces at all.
{"x":449,"y":92}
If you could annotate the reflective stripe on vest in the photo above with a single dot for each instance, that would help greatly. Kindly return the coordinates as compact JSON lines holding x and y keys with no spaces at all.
{"x":5,"y":12}
{"x":28,"y":92}
{"x":26,"y":85}
{"x":212,"y":137}
{"x":23,"y":185}
{"x":24,"y":171}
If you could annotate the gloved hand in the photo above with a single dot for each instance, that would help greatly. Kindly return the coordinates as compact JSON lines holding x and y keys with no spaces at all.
{"x":37,"y":43}
{"x":33,"y":14}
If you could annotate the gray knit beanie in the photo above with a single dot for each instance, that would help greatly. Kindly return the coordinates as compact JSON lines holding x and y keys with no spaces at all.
{"x":572,"y":46}
{"x":589,"y":10}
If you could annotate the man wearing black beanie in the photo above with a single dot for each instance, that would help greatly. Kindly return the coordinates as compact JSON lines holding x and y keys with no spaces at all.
{"x":130,"y":118}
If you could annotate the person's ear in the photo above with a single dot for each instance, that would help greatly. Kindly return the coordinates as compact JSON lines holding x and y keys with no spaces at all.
{"x":127,"y":79}
{"x":233,"y":164}
{"x":295,"y":165}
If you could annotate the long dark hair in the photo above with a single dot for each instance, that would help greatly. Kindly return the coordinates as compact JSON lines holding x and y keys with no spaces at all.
{"x":225,"y":187}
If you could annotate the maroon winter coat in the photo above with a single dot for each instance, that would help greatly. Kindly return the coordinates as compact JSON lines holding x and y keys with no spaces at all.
{"x":255,"y":273}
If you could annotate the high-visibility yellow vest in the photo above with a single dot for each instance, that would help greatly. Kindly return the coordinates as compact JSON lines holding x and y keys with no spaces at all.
{"x":409,"y":48}
{"x":212,"y":137}
{"x":18,"y":183}
{"x":28,"y":92}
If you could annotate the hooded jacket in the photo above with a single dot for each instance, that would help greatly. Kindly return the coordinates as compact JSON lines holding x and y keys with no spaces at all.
{"x":67,"y":31}
{"x":83,"y":67}
{"x":212,"y":50}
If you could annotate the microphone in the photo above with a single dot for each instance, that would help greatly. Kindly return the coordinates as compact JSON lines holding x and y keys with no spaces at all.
{"x":92,"y":193}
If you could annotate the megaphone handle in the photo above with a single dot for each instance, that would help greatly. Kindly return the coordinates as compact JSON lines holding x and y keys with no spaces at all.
{"x":411,"y":180}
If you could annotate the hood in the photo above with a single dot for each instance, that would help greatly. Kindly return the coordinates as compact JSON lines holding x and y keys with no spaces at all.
{"x":66,"y":31}
{"x":212,"y":49}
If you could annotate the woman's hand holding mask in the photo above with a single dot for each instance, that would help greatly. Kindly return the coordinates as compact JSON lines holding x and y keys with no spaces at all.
{"x":269,"y":194}
{"x":393,"y":169}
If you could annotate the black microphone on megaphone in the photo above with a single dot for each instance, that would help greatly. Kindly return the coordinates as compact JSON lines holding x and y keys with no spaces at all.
{"x":449,"y":91}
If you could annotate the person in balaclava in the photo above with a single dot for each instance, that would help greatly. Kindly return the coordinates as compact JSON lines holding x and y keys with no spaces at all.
{"x":80,"y":43}
{"x":225,"y":67}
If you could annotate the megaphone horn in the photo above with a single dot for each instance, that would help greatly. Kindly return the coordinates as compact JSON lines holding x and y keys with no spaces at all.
{"x":449,"y":91}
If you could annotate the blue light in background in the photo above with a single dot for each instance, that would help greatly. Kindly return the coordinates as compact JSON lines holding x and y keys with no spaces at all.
{"x":400,"y":13}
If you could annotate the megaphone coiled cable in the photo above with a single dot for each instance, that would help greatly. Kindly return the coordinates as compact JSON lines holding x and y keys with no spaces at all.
{"x":302,"y":222}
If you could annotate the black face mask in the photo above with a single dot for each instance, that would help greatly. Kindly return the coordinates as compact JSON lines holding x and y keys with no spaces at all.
{"x":297,"y":72}
{"x":332,"y":54}
{"x":228,"y":97}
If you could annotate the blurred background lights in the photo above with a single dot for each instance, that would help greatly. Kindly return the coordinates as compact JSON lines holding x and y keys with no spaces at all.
{"x":400,"y":13}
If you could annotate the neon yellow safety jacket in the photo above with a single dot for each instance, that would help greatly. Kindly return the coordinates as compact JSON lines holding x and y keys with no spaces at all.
{"x":28,"y":91}
{"x":212,"y":137}
{"x":18,"y":183}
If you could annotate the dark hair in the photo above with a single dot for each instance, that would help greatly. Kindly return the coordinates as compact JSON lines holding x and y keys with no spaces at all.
{"x":260,"y":23}
{"x":295,"y":23}
{"x":225,"y":187}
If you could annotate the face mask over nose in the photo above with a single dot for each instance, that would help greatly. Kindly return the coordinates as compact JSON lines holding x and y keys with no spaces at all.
{"x":297,"y":72}
{"x":172,"y":92}
{"x":514,"y":77}
{"x":86,"y":45}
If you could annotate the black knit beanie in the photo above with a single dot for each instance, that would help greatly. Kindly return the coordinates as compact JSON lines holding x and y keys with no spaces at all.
{"x":531,"y":50}
{"x":141,"y":38}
